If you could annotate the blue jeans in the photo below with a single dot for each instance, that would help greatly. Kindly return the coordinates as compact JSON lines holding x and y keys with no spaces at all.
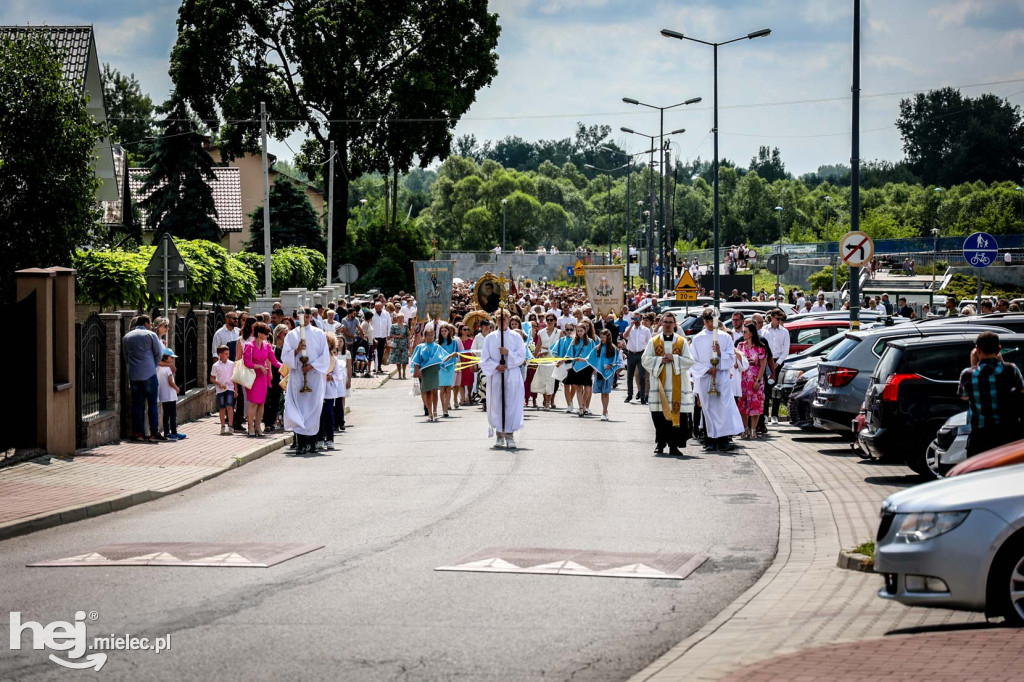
{"x":144,"y":395}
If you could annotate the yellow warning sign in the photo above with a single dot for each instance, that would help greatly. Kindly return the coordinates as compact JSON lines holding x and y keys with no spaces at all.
{"x":686,"y":288}
{"x":578,"y":268}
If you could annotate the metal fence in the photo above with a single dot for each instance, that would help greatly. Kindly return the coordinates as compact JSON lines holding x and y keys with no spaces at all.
{"x":214,"y":321}
{"x":186,"y":341}
{"x":90,"y":366}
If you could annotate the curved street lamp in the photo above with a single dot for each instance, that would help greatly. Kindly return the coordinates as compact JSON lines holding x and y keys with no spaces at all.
{"x":750,"y":36}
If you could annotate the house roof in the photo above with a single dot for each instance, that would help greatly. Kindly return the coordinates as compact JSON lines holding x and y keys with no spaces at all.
{"x":72,"y":43}
{"x":227,"y":196}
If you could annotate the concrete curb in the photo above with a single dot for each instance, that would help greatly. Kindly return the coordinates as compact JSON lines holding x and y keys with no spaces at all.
{"x":855,"y":561}
{"x":118,"y":502}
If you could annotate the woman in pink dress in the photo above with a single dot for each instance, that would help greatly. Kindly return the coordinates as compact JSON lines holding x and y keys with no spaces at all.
{"x":258,"y":355}
{"x":751,"y":402}
{"x":466,"y":385}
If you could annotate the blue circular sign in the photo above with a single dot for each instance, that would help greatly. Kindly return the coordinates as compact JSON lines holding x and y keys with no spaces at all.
{"x":981,"y":250}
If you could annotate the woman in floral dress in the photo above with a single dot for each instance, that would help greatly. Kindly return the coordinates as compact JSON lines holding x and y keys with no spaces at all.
{"x":400,"y":344}
{"x":751,"y":402}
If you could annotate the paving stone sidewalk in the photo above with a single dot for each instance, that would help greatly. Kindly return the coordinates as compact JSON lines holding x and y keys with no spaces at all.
{"x":828,"y":501}
{"x":48,"y":491}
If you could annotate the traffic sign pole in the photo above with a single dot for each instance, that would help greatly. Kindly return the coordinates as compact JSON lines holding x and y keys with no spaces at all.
{"x":167,"y":275}
{"x":980,"y":250}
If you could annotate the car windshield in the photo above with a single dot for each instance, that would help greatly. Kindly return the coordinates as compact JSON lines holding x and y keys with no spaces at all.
{"x":843,"y":348}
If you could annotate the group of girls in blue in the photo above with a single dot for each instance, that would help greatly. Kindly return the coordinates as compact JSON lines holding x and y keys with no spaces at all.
{"x":591,"y":366}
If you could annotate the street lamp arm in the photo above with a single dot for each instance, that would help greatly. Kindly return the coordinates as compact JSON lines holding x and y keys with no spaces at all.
{"x":669,"y":33}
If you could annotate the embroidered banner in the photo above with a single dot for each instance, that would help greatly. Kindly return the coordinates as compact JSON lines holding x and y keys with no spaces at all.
{"x":604,"y":288}
{"x":434,"y":287}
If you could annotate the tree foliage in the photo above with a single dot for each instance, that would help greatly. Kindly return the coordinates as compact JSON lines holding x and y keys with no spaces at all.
{"x":385,"y":81}
{"x":293,"y":222}
{"x":179,"y":199}
{"x":47,"y":145}
{"x":950,"y":139}
{"x":129,"y":110}
{"x":768,"y":164}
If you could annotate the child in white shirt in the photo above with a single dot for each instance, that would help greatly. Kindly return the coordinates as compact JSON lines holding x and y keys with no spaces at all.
{"x":220,"y":374}
{"x":168,"y":394}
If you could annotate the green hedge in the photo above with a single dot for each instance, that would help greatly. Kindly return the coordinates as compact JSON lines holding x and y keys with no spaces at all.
{"x":290,"y":267}
{"x":113,"y":278}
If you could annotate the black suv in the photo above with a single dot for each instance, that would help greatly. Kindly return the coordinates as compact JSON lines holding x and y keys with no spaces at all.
{"x":913,"y":390}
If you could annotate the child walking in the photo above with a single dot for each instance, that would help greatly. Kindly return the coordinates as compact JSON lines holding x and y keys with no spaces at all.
{"x":220,"y":375}
{"x":168,"y":393}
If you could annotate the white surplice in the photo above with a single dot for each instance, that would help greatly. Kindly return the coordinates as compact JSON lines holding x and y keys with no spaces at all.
{"x":512,"y":378}
{"x":665,"y":372}
{"x":543,"y":377}
{"x":302,"y":410}
{"x":720,"y":413}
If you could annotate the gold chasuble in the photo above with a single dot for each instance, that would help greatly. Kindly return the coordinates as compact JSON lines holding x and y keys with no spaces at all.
{"x":670,"y":408}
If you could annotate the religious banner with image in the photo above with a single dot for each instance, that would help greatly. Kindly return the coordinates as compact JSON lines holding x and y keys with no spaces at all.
{"x":434,"y":288}
{"x":604,"y":288}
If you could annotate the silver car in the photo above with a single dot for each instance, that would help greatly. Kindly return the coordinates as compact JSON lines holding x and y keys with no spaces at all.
{"x":950,"y":445}
{"x":957,"y":543}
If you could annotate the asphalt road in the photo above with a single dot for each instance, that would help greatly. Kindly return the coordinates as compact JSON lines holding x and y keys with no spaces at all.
{"x":399,"y":498}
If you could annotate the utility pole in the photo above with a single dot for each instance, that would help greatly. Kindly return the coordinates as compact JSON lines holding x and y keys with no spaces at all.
{"x":266,"y":204}
{"x":855,"y":167}
{"x":670,"y":252}
{"x":330,"y":214}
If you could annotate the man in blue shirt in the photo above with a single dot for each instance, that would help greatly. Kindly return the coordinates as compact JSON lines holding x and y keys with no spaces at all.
{"x":142,"y":352}
{"x":993,"y":390}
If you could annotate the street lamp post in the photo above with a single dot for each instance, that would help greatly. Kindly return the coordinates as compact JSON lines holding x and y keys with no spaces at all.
{"x":750,"y":36}
{"x":608,"y":202}
{"x":503,"y":202}
{"x":778,"y":261}
{"x":828,"y":243}
{"x":935,"y":257}
{"x":648,"y":226}
{"x":629,"y":177}
{"x":651,"y":186}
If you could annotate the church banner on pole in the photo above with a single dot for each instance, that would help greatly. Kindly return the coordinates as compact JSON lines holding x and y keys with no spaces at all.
{"x":604,"y":288}
{"x":434,"y":287}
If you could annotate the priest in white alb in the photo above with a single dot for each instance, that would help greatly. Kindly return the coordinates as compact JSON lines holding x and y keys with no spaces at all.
{"x":667,"y":360}
{"x":302,"y":409}
{"x":719,"y":410}
{"x":504,"y":376}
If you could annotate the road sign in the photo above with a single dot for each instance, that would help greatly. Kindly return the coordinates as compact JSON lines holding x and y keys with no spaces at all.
{"x":578,"y":267}
{"x":686,"y":288}
{"x":166,"y":271}
{"x":981,"y":249}
{"x":778,"y":263}
{"x":569,"y":271}
{"x":856,"y":248}
{"x":348,"y":273}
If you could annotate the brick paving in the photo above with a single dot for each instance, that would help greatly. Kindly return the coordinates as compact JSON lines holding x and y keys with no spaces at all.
{"x":47,"y":491}
{"x":828,"y":501}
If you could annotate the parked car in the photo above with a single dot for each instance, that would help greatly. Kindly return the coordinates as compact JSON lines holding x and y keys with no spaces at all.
{"x":950,"y":445}
{"x":913,"y":390}
{"x":1013,"y":322}
{"x":842,"y":384}
{"x":800,"y":399}
{"x":957,"y":543}
{"x":1003,"y":456}
{"x":805,"y":333}
{"x":665,"y":304}
{"x":797,"y":364}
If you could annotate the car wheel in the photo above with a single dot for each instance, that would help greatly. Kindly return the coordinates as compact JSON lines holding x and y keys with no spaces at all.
{"x":918,"y":462}
{"x":1006,"y":585}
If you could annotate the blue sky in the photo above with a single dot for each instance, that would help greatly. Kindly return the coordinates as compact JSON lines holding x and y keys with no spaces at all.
{"x":563,"y":61}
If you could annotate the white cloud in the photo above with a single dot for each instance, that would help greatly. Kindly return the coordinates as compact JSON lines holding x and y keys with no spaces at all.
{"x":957,"y":12}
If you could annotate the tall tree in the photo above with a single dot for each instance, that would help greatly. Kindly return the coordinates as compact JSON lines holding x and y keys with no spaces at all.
{"x":768,"y":164}
{"x":950,"y":139}
{"x":385,"y":81}
{"x":47,"y":143}
{"x":293,"y":221}
{"x":129,"y":110}
{"x":179,"y":199}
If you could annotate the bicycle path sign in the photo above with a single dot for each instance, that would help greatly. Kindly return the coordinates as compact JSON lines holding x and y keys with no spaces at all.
{"x":981,"y":249}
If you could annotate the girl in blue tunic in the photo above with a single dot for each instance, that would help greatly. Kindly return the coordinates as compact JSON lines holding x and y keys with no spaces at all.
{"x":426,"y":363}
{"x":446,"y":379}
{"x":604,"y":358}
{"x":580,"y":378}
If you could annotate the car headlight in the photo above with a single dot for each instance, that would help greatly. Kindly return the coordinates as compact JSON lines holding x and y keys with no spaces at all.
{"x":919,"y":526}
{"x":792,"y":375}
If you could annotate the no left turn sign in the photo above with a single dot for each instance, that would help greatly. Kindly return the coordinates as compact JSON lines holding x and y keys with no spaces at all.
{"x":856,"y":249}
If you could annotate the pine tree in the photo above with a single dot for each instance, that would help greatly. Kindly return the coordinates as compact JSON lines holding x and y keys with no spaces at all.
{"x":179,"y":199}
{"x":292,"y":220}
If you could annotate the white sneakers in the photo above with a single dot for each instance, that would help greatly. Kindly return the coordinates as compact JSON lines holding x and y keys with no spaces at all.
{"x":604,"y":418}
{"x":225,"y":430}
{"x":510,"y":442}
{"x":775,"y":421}
{"x":499,"y":442}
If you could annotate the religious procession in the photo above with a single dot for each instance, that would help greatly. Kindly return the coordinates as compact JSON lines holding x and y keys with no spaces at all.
{"x":518,"y":343}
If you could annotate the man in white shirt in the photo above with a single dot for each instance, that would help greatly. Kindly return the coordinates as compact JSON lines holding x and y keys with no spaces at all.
{"x":737,"y":327}
{"x":637,"y":336}
{"x":565,"y":316}
{"x":381,"y":323}
{"x":226,"y":335}
{"x":497,"y":249}
{"x":819,"y":306}
{"x":777,"y":337}
{"x":800,"y":300}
